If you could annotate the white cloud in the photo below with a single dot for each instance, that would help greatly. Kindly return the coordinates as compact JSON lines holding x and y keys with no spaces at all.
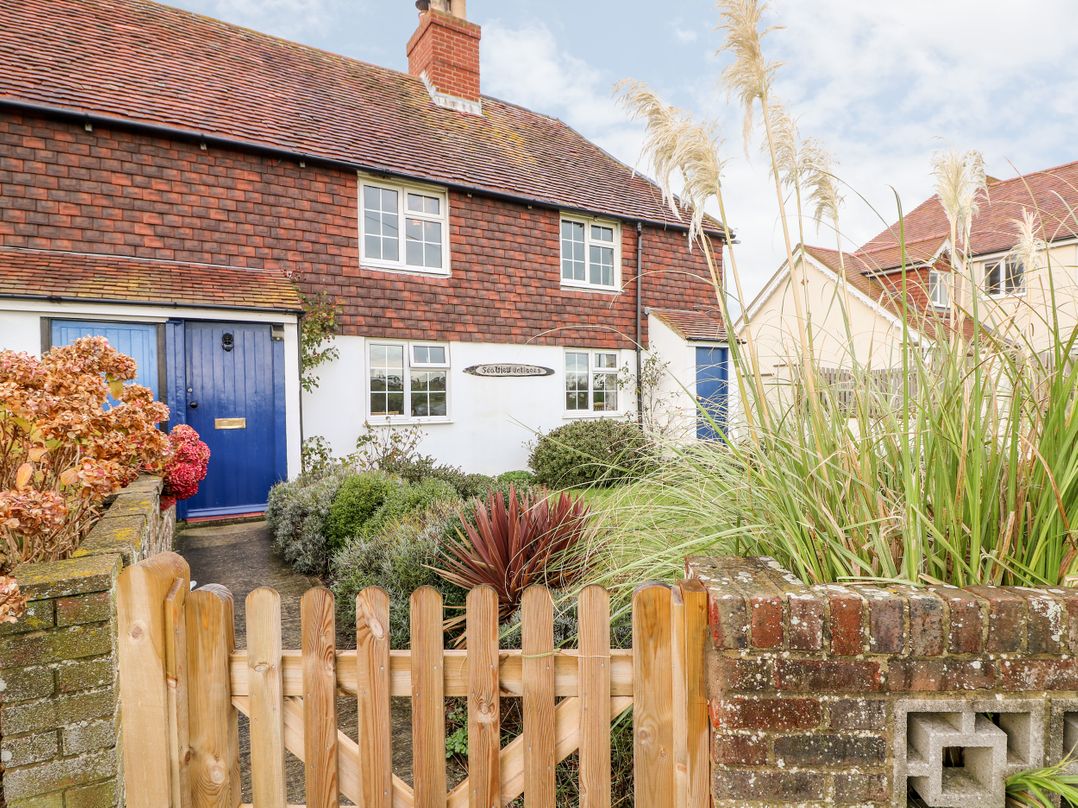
{"x":685,"y":34}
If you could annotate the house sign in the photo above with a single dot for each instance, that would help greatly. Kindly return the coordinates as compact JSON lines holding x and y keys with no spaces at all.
{"x":508,"y":370}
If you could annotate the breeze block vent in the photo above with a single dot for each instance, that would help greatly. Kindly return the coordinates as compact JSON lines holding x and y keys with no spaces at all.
{"x":878,"y":695}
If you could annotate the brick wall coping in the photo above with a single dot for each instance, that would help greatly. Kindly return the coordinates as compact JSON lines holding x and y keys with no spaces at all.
{"x":755,"y":604}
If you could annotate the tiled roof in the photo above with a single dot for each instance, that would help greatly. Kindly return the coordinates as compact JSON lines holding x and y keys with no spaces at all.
{"x":693,"y":325}
{"x":1048,"y":193}
{"x":40,"y":274}
{"x":930,"y":323}
{"x":143,"y":62}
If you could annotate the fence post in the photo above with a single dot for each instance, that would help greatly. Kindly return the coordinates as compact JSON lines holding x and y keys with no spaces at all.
{"x":372,"y":698}
{"x":265,"y":698}
{"x":484,"y":708}
{"x":593,"y":677}
{"x":142,"y":590}
{"x":537,"y":675}
{"x":318,"y":636}
{"x":692,"y":773}
{"x":428,"y":699}
{"x":214,"y":724}
{"x":653,"y":726}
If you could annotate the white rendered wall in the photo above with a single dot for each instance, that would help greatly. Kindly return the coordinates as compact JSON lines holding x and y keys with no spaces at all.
{"x":20,"y":330}
{"x":675,"y":396}
{"x":491,"y":421}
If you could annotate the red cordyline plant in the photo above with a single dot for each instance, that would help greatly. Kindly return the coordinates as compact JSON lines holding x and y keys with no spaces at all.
{"x":185,"y":467}
{"x":517,"y":541}
{"x":62,"y":453}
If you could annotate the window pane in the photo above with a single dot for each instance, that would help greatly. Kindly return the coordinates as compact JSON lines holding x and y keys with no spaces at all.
{"x":391,"y":247}
{"x":435,"y":354}
{"x":1015,"y":276}
{"x":372,"y":246}
{"x":602,"y":265}
{"x":606,"y":360}
{"x":421,"y":203}
{"x":572,"y":251}
{"x":396,"y":404}
{"x":992,"y":279}
{"x":413,"y":254}
{"x":602,"y":233}
{"x":420,"y":354}
{"x":438,"y":404}
{"x":413,"y":229}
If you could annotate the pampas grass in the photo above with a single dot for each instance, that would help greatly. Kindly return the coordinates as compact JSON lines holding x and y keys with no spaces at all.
{"x":964,"y":472}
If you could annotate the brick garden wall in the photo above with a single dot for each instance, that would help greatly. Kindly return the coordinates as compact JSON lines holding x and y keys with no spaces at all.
{"x":807,"y":683}
{"x":119,"y":192}
{"x":58,"y":702}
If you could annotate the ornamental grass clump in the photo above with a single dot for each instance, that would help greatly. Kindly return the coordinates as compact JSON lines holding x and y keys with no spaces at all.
{"x":955,"y":463}
{"x":62,"y":452}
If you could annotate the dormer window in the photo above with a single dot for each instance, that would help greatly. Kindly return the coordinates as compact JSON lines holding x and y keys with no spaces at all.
{"x":590,"y":253}
{"x":404,"y":227}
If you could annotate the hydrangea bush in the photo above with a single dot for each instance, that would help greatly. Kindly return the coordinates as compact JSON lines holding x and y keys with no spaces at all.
{"x":62,"y":451}
{"x":185,"y":466}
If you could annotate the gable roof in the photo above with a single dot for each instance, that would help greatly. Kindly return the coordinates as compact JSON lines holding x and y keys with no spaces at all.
{"x":693,"y":325}
{"x":852,"y":266}
{"x":141,"y":62}
{"x":1048,"y":193}
{"x":46,"y":275}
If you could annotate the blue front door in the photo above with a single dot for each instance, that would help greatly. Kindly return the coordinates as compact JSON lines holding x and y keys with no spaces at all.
{"x":140,"y":341}
{"x":711,"y":391}
{"x":234,"y":402}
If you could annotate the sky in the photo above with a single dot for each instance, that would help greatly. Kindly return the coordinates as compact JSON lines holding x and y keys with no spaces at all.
{"x":883,"y":85}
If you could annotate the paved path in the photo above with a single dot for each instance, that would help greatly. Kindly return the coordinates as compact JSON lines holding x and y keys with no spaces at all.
{"x":241,"y":558}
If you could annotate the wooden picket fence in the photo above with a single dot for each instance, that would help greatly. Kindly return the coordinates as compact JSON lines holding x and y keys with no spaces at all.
{"x":183,"y":685}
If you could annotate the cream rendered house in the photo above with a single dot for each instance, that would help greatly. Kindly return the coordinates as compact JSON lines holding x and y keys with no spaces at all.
{"x":854,"y":301}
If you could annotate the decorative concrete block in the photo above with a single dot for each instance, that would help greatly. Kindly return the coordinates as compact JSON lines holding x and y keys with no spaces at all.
{"x":956,"y":759}
{"x":958,"y":753}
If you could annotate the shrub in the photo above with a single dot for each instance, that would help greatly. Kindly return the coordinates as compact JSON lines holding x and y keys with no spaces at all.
{"x":600,"y":451}
{"x":406,"y":499}
{"x":520,"y":478}
{"x":515,"y":544}
{"x":398,"y":560}
{"x":419,"y":468}
{"x":296,"y":514}
{"x":62,"y":452}
{"x":359,"y":496}
{"x":185,"y":468}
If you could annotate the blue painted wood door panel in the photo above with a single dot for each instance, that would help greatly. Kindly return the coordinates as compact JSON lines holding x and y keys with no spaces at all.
{"x":232,"y":401}
{"x":137,"y":340}
{"x":711,"y":391}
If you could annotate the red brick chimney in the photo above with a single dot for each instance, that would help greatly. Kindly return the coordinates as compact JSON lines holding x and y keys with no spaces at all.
{"x":444,"y":52}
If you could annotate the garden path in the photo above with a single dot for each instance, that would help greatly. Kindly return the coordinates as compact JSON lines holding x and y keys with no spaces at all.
{"x":241,"y":558}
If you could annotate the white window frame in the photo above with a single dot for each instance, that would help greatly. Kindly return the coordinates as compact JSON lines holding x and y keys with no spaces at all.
{"x":588,"y":222}
{"x":613,"y":372}
{"x":1004,"y":290}
{"x":939,"y":279}
{"x":408,"y":348}
{"x":403,"y":214}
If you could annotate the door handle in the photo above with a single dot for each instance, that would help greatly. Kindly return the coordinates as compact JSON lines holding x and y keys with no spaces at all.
{"x":193,"y":405}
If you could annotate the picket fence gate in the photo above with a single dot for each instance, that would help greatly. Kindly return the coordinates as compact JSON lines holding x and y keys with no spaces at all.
{"x":183,"y":685}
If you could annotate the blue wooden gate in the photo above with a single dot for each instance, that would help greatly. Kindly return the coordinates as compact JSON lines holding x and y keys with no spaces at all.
{"x":235,"y":400}
{"x":712,"y":389}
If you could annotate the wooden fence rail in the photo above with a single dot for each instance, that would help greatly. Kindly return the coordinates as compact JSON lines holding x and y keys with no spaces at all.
{"x":183,"y":686}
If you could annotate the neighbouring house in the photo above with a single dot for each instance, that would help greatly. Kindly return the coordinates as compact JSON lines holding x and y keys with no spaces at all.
{"x":183,"y":186}
{"x":854,"y":299}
